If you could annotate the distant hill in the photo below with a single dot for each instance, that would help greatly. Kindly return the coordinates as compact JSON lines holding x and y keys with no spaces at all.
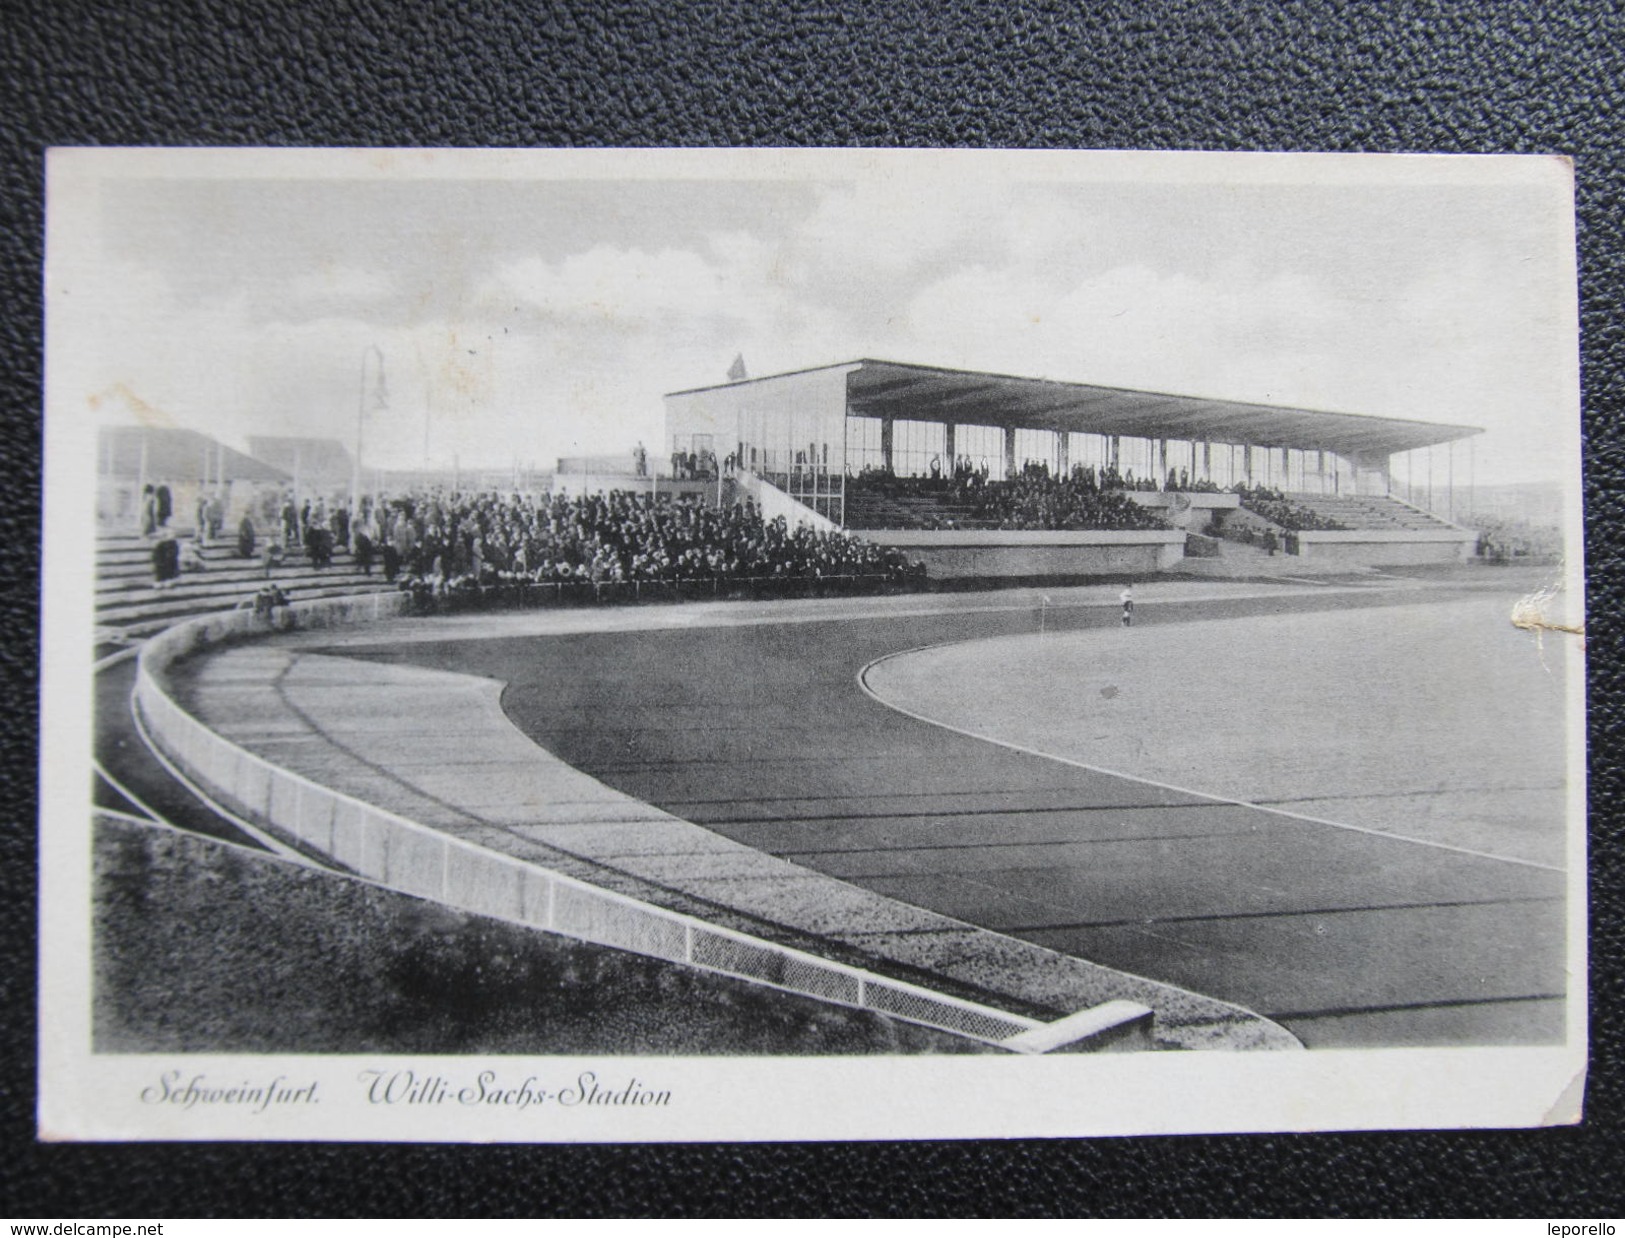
{"x":1538,"y":503}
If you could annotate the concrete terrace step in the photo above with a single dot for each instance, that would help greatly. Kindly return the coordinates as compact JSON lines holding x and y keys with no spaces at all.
{"x":231,"y":571}
{"x":145,"y":621}
{"x":1370,"y":512}
{"x":224,"y":548}
{"x":129,"y":607}
{"x":228,"y":593}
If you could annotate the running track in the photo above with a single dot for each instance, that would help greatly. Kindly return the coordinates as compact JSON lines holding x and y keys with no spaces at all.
{"x":762,"y":733}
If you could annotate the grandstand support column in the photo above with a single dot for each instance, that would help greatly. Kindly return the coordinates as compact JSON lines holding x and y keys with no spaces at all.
{"x":1009,"y":451}
{"x":1063,"y":453}
{"x":1450,"y":476}
{"x":1472,"y":477}
{"x":886,"y":444}
{"x":949,"y":456}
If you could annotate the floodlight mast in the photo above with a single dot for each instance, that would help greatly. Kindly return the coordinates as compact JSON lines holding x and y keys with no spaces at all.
{"x":361,"y":421}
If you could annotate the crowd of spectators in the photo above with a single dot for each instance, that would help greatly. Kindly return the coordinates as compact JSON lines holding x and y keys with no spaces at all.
{"x":1503,"y":539}
{"x":1280,"y":510}
{"x":1086,"y":498}
{"x":1083,"y":500}
{"x":444,"y":541}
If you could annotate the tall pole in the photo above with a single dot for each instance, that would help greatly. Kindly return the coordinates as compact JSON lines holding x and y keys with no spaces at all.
{"x":1472,"y":477}
{"x":141,"y":479}
{"x":360,"y":424}
{"x":1451,"y":475}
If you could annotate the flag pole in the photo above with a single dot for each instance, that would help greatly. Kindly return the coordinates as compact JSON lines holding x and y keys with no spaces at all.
{"x":360,"y":424}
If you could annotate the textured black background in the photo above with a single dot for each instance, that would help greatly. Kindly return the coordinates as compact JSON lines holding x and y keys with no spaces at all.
{"x":1224,"y":75}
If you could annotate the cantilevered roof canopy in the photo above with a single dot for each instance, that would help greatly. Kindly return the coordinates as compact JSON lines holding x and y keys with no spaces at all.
{"x":931,"y":393}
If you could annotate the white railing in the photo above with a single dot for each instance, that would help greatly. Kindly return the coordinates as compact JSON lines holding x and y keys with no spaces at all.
{"x":401,"y":854}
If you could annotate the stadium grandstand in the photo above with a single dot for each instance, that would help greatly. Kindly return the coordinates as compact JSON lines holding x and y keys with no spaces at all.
{"x":949,"y":463}
{"x":195,"y":549}
{"x":833,"y":838}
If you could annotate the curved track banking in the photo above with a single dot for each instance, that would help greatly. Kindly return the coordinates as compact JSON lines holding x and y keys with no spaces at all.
{"x":130,"y":779}
{"x":762,"y":732}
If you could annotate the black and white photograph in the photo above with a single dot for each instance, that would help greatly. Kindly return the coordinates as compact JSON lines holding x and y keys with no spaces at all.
{"x":688,"y":645}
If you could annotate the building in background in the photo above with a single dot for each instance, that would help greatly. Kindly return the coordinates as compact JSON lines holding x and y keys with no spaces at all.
{"x":130,"y":458}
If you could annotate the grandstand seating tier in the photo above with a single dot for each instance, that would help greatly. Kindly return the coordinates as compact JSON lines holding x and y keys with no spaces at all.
{"x":1370,"y":512}
{"x":129,"y":606}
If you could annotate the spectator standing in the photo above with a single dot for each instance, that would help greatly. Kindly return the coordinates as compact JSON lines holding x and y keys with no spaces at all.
{"x":397,"y":546}
{"x":318,"y":545}
{"x":366,"y":534}
{"x":166,"y":559}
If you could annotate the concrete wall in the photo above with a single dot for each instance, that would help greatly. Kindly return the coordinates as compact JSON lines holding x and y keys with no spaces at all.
{"x":1185,"y":510}
{"x":1384,"y":548}
{"x":1241,"y":520}
{"x":403,"y":855}
{"x":959,"y":554}
{"x":773,"y":502}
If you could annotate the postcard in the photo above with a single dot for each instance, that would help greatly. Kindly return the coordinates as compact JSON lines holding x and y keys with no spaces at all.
{"x":663,"y":645}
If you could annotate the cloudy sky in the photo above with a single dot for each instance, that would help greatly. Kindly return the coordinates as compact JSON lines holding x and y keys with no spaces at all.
{"x":523,"y":319}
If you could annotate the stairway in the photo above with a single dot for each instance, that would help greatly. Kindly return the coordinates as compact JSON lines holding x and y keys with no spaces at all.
{"x":1372,"y":512}
{"x":129,"y":607}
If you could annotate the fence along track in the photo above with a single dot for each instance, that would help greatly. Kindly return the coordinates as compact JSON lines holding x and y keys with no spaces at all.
{"x":393,"y":851}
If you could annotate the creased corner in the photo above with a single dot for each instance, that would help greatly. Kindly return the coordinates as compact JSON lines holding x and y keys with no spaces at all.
{"x":1569,"y":1107}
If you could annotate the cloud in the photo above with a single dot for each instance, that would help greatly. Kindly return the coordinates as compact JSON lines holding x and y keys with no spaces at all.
{"x":620,"y":288}
{"x":870,"y":247}
{"x":522,"y":333}
{"x":1130,"y":325}
{"x":331,"y":286}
